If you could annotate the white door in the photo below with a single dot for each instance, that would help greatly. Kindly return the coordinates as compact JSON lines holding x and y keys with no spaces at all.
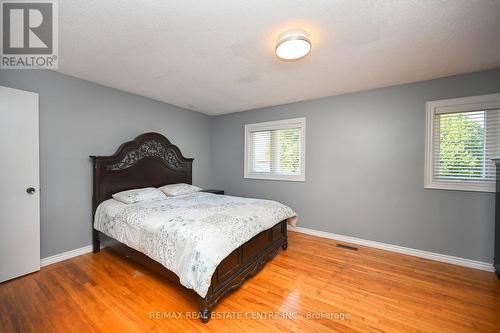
{"x":19,"y":184}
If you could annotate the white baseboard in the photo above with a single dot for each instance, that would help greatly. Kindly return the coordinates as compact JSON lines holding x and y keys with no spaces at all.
{"x":399,"y":249}
{"x":383,"y":246}
{"x":66,"y":255}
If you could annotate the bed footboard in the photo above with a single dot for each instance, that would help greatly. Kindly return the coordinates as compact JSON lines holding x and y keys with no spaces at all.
{"x":241,"y":264}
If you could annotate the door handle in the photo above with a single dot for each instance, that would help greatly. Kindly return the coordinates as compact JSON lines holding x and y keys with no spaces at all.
{"x":30,"y":190}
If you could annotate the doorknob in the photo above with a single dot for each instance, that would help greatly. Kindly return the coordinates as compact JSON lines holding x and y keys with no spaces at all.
{"x":30,"y":190}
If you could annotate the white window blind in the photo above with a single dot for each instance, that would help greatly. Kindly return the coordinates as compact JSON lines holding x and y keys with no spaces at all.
{"x":463,"y":139}
{"x":275,"y":150}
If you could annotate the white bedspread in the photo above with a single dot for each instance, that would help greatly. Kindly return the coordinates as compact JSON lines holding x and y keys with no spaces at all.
{"x":189,"y":234}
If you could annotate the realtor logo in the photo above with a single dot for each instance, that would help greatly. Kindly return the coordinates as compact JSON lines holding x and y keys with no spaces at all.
{"x":29,"y":34}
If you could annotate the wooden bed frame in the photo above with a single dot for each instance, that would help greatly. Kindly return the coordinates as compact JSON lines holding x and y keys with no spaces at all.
{"x":150,"y":160}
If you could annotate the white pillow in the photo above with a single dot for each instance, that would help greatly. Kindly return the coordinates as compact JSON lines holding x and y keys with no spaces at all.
{"x":137,"y":195}
{"x":173,"y":190}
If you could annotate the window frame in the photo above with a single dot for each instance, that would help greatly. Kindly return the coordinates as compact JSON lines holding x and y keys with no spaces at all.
{"x":275,"y":125}
{"x":463,"y":104}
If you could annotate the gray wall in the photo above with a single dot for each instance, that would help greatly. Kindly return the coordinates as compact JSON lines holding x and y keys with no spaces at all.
{"x":79,"y":118}
{"x":365,"y":157}
{"x":365,"y":168}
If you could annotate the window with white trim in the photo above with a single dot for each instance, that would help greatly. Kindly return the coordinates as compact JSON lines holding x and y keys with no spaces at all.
{"x":462,"y":139}
{"x":276,"y":150}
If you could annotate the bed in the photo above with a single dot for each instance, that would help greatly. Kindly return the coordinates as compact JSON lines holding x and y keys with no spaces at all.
{"x":150,"y":160}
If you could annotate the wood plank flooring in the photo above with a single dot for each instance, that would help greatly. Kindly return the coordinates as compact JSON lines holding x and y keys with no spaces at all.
{"x":311,"y":287}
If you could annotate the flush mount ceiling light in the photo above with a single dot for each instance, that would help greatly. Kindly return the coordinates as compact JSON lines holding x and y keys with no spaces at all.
{"x":292,"y":45}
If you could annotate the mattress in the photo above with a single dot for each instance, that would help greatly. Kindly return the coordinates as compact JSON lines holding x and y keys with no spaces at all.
{"x":189,"y":234}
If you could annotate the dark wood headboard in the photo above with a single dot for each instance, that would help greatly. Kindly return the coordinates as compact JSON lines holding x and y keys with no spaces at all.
{"x":150,"y":160}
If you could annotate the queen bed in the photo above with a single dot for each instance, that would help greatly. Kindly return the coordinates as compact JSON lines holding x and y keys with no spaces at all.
{"x":208,"y":243}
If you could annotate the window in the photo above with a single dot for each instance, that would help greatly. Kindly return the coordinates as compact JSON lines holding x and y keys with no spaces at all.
{"x":463,"y":136}
{"x":276,"y":150}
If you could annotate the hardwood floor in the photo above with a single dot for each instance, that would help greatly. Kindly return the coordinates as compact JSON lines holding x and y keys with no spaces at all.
{"x":313,"y":286}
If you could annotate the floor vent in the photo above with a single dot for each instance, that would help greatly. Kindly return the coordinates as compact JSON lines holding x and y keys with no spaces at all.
{"x":347,"y":247}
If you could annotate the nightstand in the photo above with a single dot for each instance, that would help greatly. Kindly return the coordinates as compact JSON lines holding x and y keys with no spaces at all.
{"x":214,"y":191}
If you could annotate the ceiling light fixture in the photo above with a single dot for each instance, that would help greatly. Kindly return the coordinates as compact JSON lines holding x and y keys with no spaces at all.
{"x":292,"y":45}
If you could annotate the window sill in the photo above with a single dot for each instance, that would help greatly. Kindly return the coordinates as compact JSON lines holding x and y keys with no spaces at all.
{"x":456,"y":186}
{"x":281,"y":178}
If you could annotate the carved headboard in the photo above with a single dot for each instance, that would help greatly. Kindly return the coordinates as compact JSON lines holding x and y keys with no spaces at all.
{"x":150,"y":160}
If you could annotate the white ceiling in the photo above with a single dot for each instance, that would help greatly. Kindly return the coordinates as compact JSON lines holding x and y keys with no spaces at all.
{"x":218,"y":57}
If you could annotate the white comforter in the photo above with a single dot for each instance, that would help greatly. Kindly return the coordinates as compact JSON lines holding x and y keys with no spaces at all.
{"x":189,"y":234}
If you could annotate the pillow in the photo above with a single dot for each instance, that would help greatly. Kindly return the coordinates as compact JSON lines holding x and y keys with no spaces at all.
{"x":138,"y":195}
{"x":173,"y":190}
